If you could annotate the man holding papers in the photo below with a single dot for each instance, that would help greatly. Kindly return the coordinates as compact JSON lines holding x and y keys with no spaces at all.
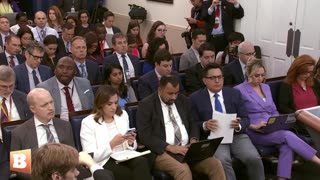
{"x":216,"y":98}
{"x":165,"y":126}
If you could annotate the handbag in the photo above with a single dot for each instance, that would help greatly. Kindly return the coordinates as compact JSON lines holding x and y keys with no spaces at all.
{"x":137,"y":12}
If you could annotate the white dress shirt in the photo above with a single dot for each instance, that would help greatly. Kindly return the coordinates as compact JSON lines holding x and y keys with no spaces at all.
{"x":48,"y":31}
{"x":109,"y":30}
{"x":131,"y":72}
{"x":12,"y":110}
{"x":41,"y":132}
{"x":15,"y":59}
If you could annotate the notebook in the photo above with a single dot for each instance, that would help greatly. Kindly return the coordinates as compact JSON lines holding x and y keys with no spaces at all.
{"x":199,"y":150}
{"x":281,"y":122}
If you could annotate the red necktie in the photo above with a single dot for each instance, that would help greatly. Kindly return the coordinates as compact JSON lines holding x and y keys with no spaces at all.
{"x":68,"y":99}
{"x":102,"y":48}
{"x":217,"y":17}
{"x":4,"y":111}
{"x":11,"y":63}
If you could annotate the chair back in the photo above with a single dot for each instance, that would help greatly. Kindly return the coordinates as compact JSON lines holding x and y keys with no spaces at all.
{"x":131,"y":109}
{"x":95,"y":88}
{"x":6,"y":128}
{"x":176,"y":61}
{"x":275,"y":88}
{"x":134,"y":84}
{"x":75,"y":119}
{"x":257,"y":49}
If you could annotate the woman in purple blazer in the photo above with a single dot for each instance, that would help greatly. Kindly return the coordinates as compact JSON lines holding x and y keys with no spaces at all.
{"x":260,"y":106}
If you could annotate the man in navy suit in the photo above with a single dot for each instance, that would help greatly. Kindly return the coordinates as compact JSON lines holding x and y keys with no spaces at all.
{"x":84,"y":68}
{"x":31,"y":73}
{"x":215,"y":97}
{"x":149,"y":82}
{"x":129,"y":63}
{"x":234,"y":72}
{"x":64,"y":41}
{"x":11,"y":56}
{"x":4,"y":31}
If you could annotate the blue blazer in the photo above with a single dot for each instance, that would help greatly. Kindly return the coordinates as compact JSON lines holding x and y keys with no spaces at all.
{"x":113,"y":59}
{"x":93,"y":72}
{"x":258,"y":110}
{"x":22,"y":78}
{"x":202,"y":108}
{"x":233,"y":74}
{"x":4,"y":61}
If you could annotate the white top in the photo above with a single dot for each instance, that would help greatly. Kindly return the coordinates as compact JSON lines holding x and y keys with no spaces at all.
{"x":12,"y":110}
{"x":109,"y":30}
{"x":75,"y":100}
{"x":96,"y":137}
{"x":30,"y":76}
{"x":169,"y":126}
{"x":15,"y":28}
{"x":48,"y":31}
{"x":41,"y":132}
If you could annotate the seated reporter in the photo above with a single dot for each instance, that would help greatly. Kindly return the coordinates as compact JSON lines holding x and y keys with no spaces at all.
{"x":260,"y":106}
{"x":104,"y":132}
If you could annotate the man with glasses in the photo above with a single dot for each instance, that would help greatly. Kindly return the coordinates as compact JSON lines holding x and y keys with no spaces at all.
{"x":215,"y":97}
{"x":193,"y":75}
{"x":11,"y":56}
{"x":31,"y":73}
{"x":13,"y":107}
{"x":235,"y":71}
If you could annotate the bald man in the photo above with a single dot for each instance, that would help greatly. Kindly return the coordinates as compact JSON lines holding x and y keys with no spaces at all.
{"x":234,"y":72}
{"x":42,"y":29}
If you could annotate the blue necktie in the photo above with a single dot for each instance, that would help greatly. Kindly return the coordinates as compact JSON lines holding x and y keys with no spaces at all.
{"x":217,"y":104}
{"x":83,"y":71}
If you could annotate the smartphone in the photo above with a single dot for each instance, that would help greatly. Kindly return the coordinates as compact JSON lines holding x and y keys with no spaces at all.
{"x":131,"y":130}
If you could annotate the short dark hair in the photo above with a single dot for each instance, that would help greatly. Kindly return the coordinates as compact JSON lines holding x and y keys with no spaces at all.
{"x":67,"y":26}
{"x":131,"y":39}
{"x":19,"y":15}
{"x":50,"y":39}
{"x":107,"y":14}
{"x":154,"y":46}
{"x":162,"y":55}
{"x":24,"y":30}
{"x":205,"y":47}
{"x":10,"y":37}
{"x":196,"y":32}
{"x":83,"y":11}
{"x":35,"y":45}
{"x":235,"y":36}
{"x":116,"y":36}
{"x":209,"y":67}
{"x":172,"y":79}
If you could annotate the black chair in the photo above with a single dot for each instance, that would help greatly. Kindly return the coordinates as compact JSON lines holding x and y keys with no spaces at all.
{"x":257,"y":49}
{"x":140,"y":72}
{"x":95,"y":88}
{"x":275,"y":87}
{"x":75,"y":119}
{"x":134,"y":84}
{"x":6,"y":128}
{"x":182,"y":77}
{"x":176,"y":61}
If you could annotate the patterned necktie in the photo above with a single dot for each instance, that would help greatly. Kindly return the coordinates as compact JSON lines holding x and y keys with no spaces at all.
{"x":68,"y":99}
{"x":83,"y":71}
{"x":35,"y":78}
{"x":11,"y":62}
{"x":68,"y":47}
{"x":217,"y":17}
{"x":125,"y":67}
{"x":43,"y":34}
{"x":50,"y":138}
{"x":4,"y":111}
{"x":177,"y":132}
{"x":217,"y":104}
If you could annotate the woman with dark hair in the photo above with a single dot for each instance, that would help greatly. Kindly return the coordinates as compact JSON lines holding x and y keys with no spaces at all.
{"x":55,"y":19}
{"x":155,"y":44}
{"x":134,"y":29}
{"x":93,"y":51}
{"x":299,"y":89}
{"x":50,"y":58}
{"x":8,"y":6}
{"x":132,"y":45}
{"x":84,"y":26}
{"x":158,"y":29}
{"x":104,"y":132}
{"x":113,"y":75}
{"x":26,"y":36}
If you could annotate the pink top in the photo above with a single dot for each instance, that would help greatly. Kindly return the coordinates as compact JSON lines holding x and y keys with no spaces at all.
{"x":303,"y":98}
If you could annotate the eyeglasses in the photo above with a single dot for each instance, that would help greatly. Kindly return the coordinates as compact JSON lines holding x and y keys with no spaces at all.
{"x":36,"y":57}
{"x":214,"y":78}
{"x":161,"y":30}
{"x":249,"y":54}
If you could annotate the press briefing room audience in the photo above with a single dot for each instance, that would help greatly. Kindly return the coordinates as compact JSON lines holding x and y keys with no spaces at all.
{"x":21,"y":21}
{"x":55,"y":19}
{"x":113,"y":76}
{"x":4,"y":31}
{"x":218,"y":98}
{"x":70,"y":93}
{"x":132,"y":46}
{"x":260,"y":106}
{"x":50,"y":57}
{"x":134,"y":29}
{"x":31,"y":73}
{"x":199,"y":14}
{"x":93,"y":49}
{"x":84,"y":25}
{"x":26,"y":36}
{"x":11,"y":56}
{"x":64,"y":41}
{"x":104,"y":43}
{"x":191,"y":57}
{"x":42,"y":29}
{"x":108,"y":19}
{"x":104,"y":133}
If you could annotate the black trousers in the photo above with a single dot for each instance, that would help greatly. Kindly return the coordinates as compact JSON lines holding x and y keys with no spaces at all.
{"x":136,"y":169}
{"x":220,"y":42}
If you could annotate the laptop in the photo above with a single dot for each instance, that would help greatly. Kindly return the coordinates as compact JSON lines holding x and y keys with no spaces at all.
{"x":11,"y":17}
{"x":281,"y":122}
{"x":199,"y":150}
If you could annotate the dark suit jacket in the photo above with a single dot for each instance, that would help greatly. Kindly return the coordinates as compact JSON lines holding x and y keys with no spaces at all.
{"x":113,"y":59}
{"x":202,"y":108}
{"x":4,"y":61}
{"x":115,"y":29}
{"x":202,"y":16}
{"x":25,"y":136}
{"x":194,"y":78}
{"x":149,"y":83}
{"x":229,"y":13}
{"x":20,"y":100}
{"x":103,"y":174}
{"x":61,"y":50}
{"x":22,"y":79}
{"x":93,"y":72}
{"x":233,"y":74}
{"x":150,"y":123}
{"x":47,"y":61}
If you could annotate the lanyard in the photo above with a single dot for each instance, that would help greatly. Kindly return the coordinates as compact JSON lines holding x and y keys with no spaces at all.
{"x":9,"y":110}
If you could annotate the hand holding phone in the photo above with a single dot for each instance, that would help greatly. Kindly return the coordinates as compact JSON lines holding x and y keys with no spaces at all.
{"x":131,"y":131}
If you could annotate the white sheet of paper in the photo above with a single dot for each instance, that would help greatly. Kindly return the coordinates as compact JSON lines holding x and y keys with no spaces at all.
{"x":224,"y":130}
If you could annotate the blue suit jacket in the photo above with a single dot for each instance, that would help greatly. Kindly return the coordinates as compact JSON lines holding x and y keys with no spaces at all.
{"x":4,"y":61}
{"x":233,"y":74}
{"x":149,"y":84}
{"x":22,"y":79}
{"x":258,"y":110}
{"x":113,"y":59}
{"x":202,"y":108}
{"x":93,"y":72}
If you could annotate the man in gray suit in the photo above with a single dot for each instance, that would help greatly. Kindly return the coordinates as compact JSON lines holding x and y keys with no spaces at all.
{"x":191,"y":56}
{"x":70,"y":93}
